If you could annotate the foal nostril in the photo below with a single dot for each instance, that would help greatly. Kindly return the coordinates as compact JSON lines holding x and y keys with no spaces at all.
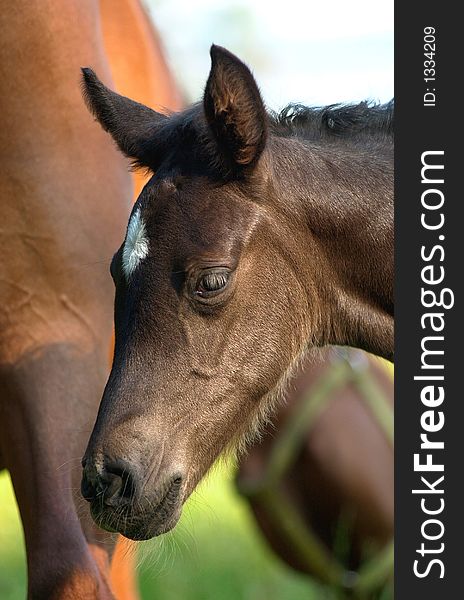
{"x":111,"y":492}
{"x":112,"y":484}
{"x":120,"y":483}
{"x":87,"y":488}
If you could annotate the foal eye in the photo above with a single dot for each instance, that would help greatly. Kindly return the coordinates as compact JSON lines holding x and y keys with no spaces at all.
{"x":212,"y":282}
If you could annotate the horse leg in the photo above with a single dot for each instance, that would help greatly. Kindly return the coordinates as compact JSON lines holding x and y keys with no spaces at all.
{"x":123,"y":570}
{"x":49,"y":404}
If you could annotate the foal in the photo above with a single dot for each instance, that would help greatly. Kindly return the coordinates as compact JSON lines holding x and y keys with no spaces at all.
{"x":258,"y":238}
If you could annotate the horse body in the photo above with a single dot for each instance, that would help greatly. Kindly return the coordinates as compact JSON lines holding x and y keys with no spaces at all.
{"x":141,"y":51}
{"x":337,"y":472}
{"x":246,"y":248}
{"x":58,"y":230}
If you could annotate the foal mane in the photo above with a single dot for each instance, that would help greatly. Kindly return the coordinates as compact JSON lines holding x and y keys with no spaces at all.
{"x":186,"y":135}
{"x":336,"y":121}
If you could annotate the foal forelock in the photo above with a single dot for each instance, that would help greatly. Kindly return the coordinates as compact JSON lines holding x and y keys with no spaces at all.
{"x":135,"y":245}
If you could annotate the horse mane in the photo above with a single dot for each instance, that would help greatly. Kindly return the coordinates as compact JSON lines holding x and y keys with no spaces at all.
{"x":336,"y":121}
{"x":188,"y":132}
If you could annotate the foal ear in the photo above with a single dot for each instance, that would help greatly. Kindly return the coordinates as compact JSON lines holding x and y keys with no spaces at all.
{"x":131,"y":125}
{"x":234,"y":109}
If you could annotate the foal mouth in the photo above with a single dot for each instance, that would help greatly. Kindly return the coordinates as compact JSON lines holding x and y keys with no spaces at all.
{"x":141,"y":519}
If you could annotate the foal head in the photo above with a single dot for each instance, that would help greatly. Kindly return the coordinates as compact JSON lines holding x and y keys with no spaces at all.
{"x":215,"y":296}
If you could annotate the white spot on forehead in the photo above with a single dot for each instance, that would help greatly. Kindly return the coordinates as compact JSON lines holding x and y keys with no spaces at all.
{"x":136,"y":244}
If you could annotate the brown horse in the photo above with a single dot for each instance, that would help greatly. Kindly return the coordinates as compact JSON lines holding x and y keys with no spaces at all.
{"x":256,"y":239}
{"x":64,"y":204}
{"x":320,"y":481}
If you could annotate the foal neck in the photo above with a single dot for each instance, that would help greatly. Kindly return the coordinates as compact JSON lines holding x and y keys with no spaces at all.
{"x":343,"y":196}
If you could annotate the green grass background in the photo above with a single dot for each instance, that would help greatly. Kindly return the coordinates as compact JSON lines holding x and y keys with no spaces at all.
{"x":215,"y":553}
